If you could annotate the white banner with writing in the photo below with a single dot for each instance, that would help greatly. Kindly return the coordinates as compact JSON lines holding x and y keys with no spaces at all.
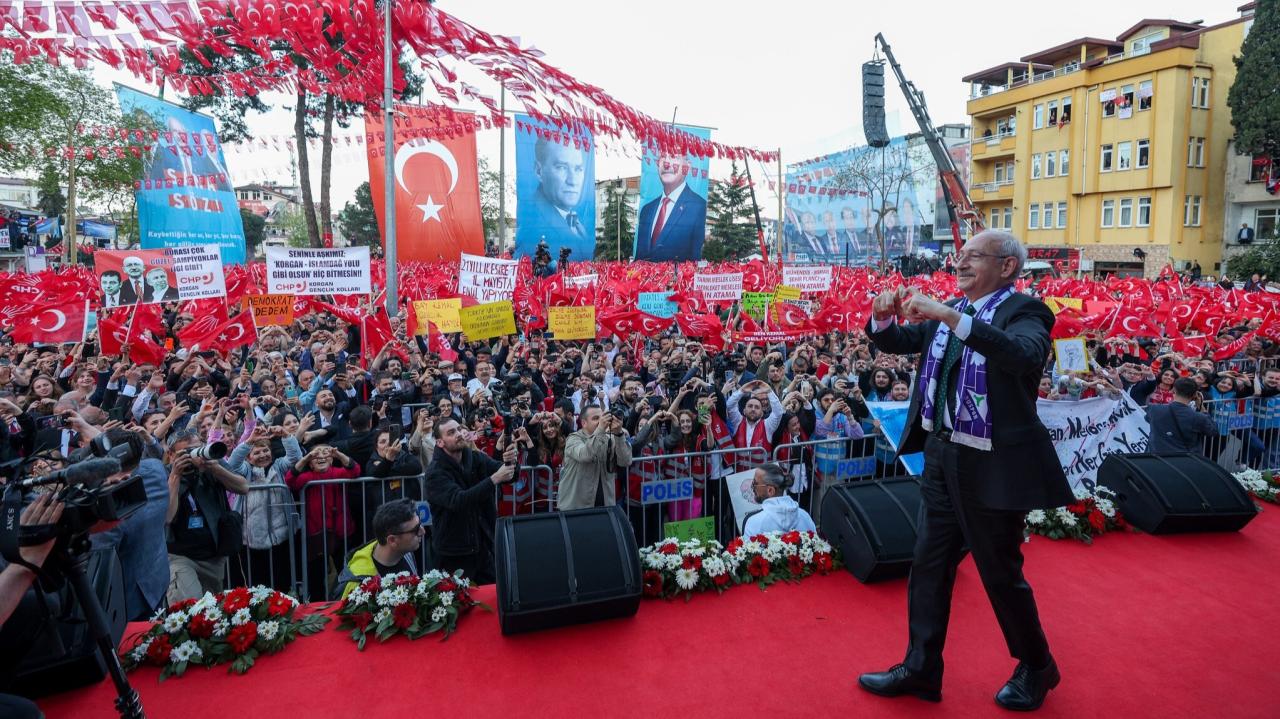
{"x":807,"y":278}
{"x":198,"y":271}
{"x":719,"y":287}
{"x":307,"y":271}
{"x":1085,"y":432}
{"x":487,"y":279}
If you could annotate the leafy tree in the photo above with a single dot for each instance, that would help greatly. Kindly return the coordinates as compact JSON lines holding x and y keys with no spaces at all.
{"x":1254,"y":102}
{"x":733,"y":229}
{"x":293,"y":223}
{"x":615,"y":236}
{"x":358,"y":221}
{"x":52,"y":202}
{"x":491,"y":189}
{"x":1263,"y":259}
{"x":255,"y":230}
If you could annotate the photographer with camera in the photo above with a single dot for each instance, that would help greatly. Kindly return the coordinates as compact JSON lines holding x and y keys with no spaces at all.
{"x":592,"y":456}
{"x":202,"y":529}
{"x":45,"y":511}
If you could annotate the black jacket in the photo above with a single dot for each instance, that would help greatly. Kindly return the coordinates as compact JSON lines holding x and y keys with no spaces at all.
{"x":1176,"y":427}
{"x":1022,"y":472}
{"x":463,"y":502}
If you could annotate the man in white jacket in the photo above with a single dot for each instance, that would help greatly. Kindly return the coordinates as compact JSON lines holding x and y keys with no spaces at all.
{"x":778,"y":511}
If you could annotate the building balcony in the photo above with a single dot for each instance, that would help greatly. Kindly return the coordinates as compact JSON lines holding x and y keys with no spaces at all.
{"x":980,"y":89}
{"x":987,"y":148}
{"x":991,"y":191}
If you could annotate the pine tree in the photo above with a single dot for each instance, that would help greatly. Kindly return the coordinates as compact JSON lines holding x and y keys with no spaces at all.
{"x":1254,"y":101}
{"x":733,"y":231}
{"x":615,"y":231}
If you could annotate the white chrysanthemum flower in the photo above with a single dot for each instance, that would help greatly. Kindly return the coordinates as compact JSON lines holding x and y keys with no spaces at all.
{"x":422,"y":589}
{"x":674,"y":561}
{"x":438,"y":614}
{"x":203,"y":603}
{"x":806,"y":555}
{"x":1248,"y":475}
{"x":822,"y":546}
{"x":446,"y":598}
{"x":357,"y":596}
{"x":159,"y":615}
{"x":185,"y":652}
{"x":463,"y":582}
{"x":1036,"y":516}
{"x":393,"y":596}
{"x":381,"y":614}
{"x":1065,"y":516}
{"x":214,"y":614}
{"x":771,"y":555}
{"x":268,"y":629}
{"x":686,"y":578}
{"x":693,"y":548}
{"x":713,"y":566}
{"x":751,"y":547}
{"x":435,"y":574}
{"x":1081,"y":493}
{"x":240,"y":618}
{"x":221,"y":628}
{"x":175,"y":622}
{"x":655,"y":561}
{"x":139,"y":652}
{"x":259,"y":594}
{"x":1107,"y":507}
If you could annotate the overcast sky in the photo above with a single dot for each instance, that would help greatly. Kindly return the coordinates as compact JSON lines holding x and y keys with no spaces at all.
{"x":766,"y":74}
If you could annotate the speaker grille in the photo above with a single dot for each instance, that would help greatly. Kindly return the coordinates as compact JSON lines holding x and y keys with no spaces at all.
{"x":873,"y":104}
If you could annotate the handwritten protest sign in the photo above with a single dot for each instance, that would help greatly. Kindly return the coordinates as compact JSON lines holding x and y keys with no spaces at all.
{"x":756,"y":304}
{"x":442,"y":313}
{"x":313,"y":271}
{"x":719,"y":287}
{"x":807,"y":278}
{"x":657,"y":304}
{"x":492,"y":319}
{"x":573,"y":323}
{"x":783,"y":293}
{"x":487,"y":279}
{"x":271,"y":310}
{"x":1085,"y":432}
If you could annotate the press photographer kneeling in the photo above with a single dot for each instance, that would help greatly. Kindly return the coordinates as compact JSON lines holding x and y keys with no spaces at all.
{"x":202,"y":529}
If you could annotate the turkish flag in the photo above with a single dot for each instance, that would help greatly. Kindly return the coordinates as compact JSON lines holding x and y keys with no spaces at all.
{"x":1132,"y":323}
{"x":376,"y":333}
{"x":235,"y":332}
{"x":437,"y":190}
{"x":52,"y":323}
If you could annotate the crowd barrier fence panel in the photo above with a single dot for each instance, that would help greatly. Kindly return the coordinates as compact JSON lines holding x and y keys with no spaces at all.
{"x":647,"y":517}
{"x":279,"y":501}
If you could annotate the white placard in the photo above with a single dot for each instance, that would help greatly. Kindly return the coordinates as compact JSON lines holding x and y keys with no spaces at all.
{"x":198,"y":271}
{"x":487,"y":279}
{"x":1085,"y":432}
{"x":807,"y":278}
{"x":581,"y":280}
{"x":4,"y":238}
{"x":726,"y":286}
{"x":310,"y":271}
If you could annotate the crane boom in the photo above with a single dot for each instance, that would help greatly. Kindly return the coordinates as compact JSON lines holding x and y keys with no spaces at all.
{"x":959,"y":207}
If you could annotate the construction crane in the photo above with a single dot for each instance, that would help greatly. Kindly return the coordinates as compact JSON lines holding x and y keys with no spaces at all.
{"x":959,"y":207}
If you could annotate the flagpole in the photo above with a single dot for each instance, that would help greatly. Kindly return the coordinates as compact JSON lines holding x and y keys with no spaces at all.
{"x":502,"y":175}
{"x":388,"y":171}
{"x":128,"y":332}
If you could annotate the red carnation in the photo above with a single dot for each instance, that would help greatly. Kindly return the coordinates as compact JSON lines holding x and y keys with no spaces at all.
{"x":796,"y":565}
{"x":734,"y":546}
{"x":446,"y":585}
{"x":200,"y":627}
{"x":1076,"y":507}
{"x":792,"y":537}
{"x":721,"y":579}
{"x":372,"y":585}
{"x":362,"y":620}
{"x":760,"y":539}
{"x":668,"y":549}
{"x":235,"y":600}
{"x":159,"y":649}
{"x":403,"y":615}
{"x":409,"y":581}
{"x":822,"y":562}
{"x":692,"y":563}
{"x":652,"y":584}
{"x":242,"y":637}
{"x":278,"y":605}
{"x":1098,"y":521}
{"x":759,"y":567}
{"x":180,"y":606}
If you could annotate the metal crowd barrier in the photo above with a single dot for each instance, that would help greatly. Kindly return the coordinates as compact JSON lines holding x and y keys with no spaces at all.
{"x":274,"y":565}
{"x":532,"y":491}
{"x":650,"y":508}
{"x":821,"y":463}
{"x":1248,"y":433}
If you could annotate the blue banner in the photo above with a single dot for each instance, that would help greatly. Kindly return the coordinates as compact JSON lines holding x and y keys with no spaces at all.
{"x":893,"y":427}
{"x":672,"y":223}
{"x":834,"y":202}
{"x":555,"y":190}
{"x":185,"y":195}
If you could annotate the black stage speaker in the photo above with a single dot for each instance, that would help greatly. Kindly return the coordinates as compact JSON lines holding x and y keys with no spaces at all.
{"x":566,"y":568}
{"x":873,"y":104}
{"x":1162,"y":494}
{"x":61,"y":655}
{"x":874,"y":525}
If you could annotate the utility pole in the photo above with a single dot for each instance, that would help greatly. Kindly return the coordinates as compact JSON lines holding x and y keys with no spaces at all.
{"x":781,"y":189}
{"x":389,"y":157}
{"x":69,"y":247}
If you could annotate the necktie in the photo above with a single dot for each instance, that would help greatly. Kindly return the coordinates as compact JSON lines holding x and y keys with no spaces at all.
{"x":658,"y":223}
{"x":574,"y":225}
{"x":942,"y":397}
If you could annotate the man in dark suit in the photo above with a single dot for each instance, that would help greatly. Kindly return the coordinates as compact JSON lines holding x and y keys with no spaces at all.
{"x":988,"y":460}
{"x":849,"y":235}
{"x":1245,"y":235}
{"x":133,"y":287}
{"x":805,"y":243}
{"x":158,"y":288}
{"x":1177,"y":426}
{"x":556,"y":217}
{"x":673,"y":225}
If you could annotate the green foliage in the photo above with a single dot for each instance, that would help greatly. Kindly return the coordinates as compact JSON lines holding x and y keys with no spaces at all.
{"x":255,"y":230}
{"x":293,"y":222}
{"x":733,"y":230}
{"x":1254,"y":101}
{"x":357,"y":220}
{"x":52,"y":202}
{"x":1262,"y":258}
{"x":615,"y":237}
{"x":490,"y":190}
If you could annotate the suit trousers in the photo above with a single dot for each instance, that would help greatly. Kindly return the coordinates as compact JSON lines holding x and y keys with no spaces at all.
{"x":951,"y":516}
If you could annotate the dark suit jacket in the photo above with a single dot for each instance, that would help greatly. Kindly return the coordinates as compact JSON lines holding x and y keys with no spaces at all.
{"x":547,"y":223}
{"x":1248,"y":234}
{"x":1022,"y":472}
{"x":682,"y":233}
{"x":1176,"y":427}
{"x":127,"y":295}
{"x":170,"y":295}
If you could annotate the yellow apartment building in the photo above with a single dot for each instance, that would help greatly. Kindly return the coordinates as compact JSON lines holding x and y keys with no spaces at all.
{"x":1112,"y":152}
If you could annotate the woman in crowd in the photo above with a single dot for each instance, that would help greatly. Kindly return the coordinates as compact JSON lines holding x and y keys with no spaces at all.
{"x":265,"y":510}
{"x":1153,"y":389}
{"x":328,"y":521}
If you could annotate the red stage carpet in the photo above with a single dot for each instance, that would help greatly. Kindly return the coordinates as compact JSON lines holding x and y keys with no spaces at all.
{"x":1180,"y":626}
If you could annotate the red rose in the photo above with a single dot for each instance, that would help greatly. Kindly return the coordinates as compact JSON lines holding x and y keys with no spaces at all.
{"x":721,"y":579}
{"x":1097,"y":521}
{"x":668,"y":549}
{"x":652,"y":584}
{"x":692,"y":563}
{"x":795,"y":564}
{"x":822,"y":562}
{"x":241,"y":638}
{"x":362,"y":620}
{"x":403,"y":615}
{"x":792,"y":537}
{"x":759,"y":567}
{"x":278,"y":605}
{"x":159,"y":649}
{"x":235,"y":600}
{"x":200,"y":627}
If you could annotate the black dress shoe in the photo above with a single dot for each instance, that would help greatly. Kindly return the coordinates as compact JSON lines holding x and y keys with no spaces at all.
{"x":898,"y":681}
{"x":1026,"y":689}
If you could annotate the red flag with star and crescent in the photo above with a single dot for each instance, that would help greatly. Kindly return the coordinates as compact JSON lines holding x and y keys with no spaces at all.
{"x":235,"y":332}
{"x":437,"y":188}
{"x":52,"y":323}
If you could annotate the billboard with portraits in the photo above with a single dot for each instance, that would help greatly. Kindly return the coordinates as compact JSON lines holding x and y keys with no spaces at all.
{"x":190,"y":272}
{"x":672,"y":222}
{"x":555,"y":189}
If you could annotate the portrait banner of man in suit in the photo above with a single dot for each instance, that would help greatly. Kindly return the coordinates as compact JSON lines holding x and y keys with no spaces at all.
{"x":555,"y":189}
{"x":672,"y":224}
{"x":189,"y":272}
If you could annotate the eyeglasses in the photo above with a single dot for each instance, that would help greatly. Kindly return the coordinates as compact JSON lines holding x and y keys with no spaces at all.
{"x":417,"y":529}
{"x":973,"y":255}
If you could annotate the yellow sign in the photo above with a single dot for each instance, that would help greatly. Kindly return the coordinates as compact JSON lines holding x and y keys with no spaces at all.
{"x":493,"y":319}
{"x":1056,"y":304}
{"x":573,"y":323}
{"x":442,"y":313}
{"x":271,"y":310}
{"x":782,"y":293}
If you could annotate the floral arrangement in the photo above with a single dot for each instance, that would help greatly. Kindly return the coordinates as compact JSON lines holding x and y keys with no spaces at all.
{"x":1263,"y":485}
{"x":1090,"y":515}
{"x":404,"y":604}
{"x":235,"y":626}
{"x":673,"y":568}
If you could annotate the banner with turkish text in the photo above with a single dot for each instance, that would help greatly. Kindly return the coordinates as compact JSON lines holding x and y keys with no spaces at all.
{"x":170,"y":274}
{"x":185,"y":196}
{"x":1085,"y":432}
{"x":487,"y":279}
{"x":437,"y":190}
{"x":672,"y":220}
{"x":555,"y":189}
